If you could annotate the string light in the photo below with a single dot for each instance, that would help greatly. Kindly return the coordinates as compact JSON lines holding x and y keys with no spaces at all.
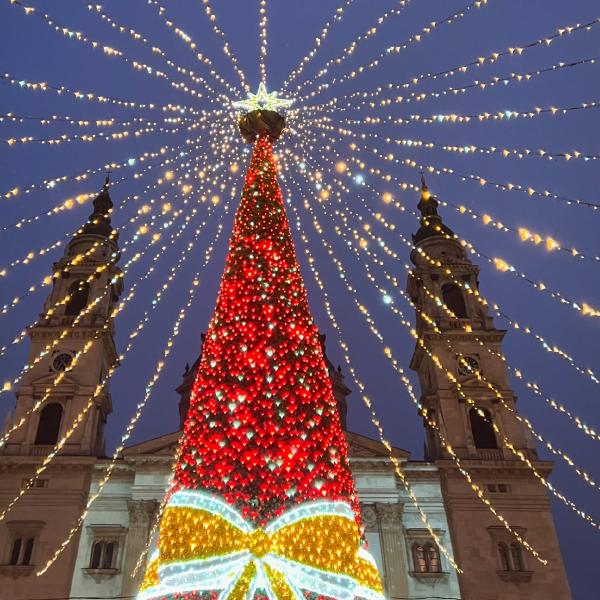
{"x":350,"y":49}
{"x":54,"y":181}
{"x":149,"y":387}
{"x":453,"y":91}
{"x":496,"y":392}
{"x":85,"y":311}
{"x":391,"y":50}
{"x":87,"y":137}
{"x":136,"y":331}
{"x":552,"y":403}
{"x":191,"y":44}
{"x":319,"y":41}
{"x":545,"y":344}
{"x":367,"y":401}
{"x":138,"y":37}
{"x":491,"y":58}
{"x":42,"y":86}
{"x":583,"y":308}
{"x":262,"y":54}
{"x":106,"y":50}
{"x":212,"y":18}
{"x":107,"y":122}
{"x":458,"y":386}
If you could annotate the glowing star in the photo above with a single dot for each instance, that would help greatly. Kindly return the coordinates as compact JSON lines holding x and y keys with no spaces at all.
{"x":262,"y":100}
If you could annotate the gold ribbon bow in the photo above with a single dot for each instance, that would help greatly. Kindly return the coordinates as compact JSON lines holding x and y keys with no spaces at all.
{"x":205,"y":544}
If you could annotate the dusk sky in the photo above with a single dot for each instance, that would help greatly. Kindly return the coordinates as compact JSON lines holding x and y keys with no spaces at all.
{"x":32,"y":51}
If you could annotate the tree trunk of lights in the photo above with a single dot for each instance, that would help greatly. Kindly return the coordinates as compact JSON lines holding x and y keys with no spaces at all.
{"x":263,"y":503}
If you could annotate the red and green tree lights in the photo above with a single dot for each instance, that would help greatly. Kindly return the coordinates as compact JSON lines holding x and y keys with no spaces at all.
{"x":263,"y":502}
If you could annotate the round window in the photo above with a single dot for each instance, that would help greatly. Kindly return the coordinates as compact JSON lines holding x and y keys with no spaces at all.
{"x":62,"y":362}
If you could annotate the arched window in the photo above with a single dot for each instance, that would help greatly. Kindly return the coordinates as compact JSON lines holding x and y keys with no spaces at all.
{"x":27,"y":552}
{"x":420,"y":559}
{"x":103,"y":555}
{"x":426,"y":558}
{"x":96,"y":555}
{"x":15,"y":552}
{"x":503,"y":553}
{"x":109,"y":550}
{"x":78,"y":293}
{"x":517,"y":557}
{"x":49,"y":425}
{"x":454,"y":300}
{"x":482,"y":429}
{"x":433,"y":558}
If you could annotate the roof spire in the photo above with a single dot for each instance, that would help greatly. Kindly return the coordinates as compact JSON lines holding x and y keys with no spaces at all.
{"x":431,"y":222}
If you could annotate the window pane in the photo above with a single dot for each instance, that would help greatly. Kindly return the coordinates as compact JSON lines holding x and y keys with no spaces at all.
{"x":49,"y":424}
{"x":482,"y":429}
{"x":96,"y":555}
{"x":503,"y":552}
{"x":433,"y":559}
{"x":15,"y":552}
{"x":109,"y":551}
{"x":27,"y":552}
{"x":419,"y":558}
{"x":517,"y":558}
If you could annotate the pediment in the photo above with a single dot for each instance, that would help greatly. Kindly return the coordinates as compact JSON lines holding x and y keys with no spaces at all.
{"x":165,"y":445}
{"x":359,"y":446}
{"x":68,"y":383}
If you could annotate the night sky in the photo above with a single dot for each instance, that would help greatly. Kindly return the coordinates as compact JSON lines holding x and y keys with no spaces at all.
{"x":32,"y":51}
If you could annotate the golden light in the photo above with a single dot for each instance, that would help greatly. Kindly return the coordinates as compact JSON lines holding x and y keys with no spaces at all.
{"x":341,"y":167}
{"x":215,"y":200}
{"x":324,"y":194}
{"x":169,"y":175}
{"x":388,"y":198}
{"x":234,"y":168}
{"x":166,"y":207}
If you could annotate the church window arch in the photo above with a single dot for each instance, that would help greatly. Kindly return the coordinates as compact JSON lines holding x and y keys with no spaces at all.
{"x":482,"y":428}
{"x":103,"y":555}
{"x":420,"y":559}
{"x":21,"y":551}
{"x":517,"y":556}
{"x":78,"y":298}
{"x":426,"y":558}
{"x":15,"y":551}
{"x":503,"y":555}
{"x":453,"y":298}
{"x":49,"y":424}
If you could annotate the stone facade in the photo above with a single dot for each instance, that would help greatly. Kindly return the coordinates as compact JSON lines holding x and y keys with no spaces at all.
{"x":496,"y":566}
{"x":129,"y":503}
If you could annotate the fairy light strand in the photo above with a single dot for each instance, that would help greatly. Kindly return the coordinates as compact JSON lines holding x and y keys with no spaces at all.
{"x":339,"y":13}
{"x":387,"y":352}
{"x":545,"y":344}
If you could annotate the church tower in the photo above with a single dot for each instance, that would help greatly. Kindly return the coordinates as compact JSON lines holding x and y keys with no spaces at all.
{"x":495,"y":565}
{"x":76,"y":322}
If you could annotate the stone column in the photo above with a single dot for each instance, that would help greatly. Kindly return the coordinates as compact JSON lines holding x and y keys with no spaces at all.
{"x":389,"y":519}
{"x":141,"y":518}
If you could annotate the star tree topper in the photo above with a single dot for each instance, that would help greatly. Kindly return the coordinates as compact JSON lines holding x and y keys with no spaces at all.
{"x":262,"y":100}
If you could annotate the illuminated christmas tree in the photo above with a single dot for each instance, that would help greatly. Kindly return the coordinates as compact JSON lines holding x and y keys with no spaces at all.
{"x":263,"y":503}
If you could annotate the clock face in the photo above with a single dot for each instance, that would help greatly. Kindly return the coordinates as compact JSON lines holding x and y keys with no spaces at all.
{"x":62,"y":361}
{"x":467,"y":365}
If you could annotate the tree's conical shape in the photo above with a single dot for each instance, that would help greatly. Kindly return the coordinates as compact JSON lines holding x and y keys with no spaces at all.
{"x":263,"y":502}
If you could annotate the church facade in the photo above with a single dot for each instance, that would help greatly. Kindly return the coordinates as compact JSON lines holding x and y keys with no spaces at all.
{"x":474,"y":420}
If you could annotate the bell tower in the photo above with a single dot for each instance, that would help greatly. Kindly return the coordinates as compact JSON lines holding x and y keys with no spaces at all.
{"x":444,"y":285}
{"x":77,"y":315}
